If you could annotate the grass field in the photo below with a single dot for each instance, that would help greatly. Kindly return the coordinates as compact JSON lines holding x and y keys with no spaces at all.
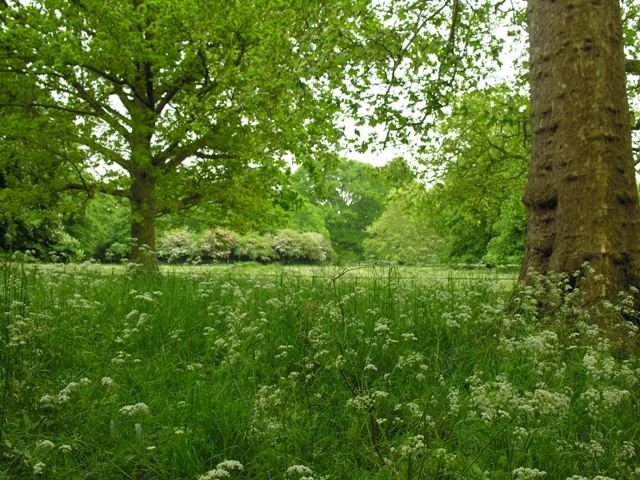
{"x":293,"y":373}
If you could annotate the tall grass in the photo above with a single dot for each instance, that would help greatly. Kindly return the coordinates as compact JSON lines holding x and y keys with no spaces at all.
{"x":212,"y":375}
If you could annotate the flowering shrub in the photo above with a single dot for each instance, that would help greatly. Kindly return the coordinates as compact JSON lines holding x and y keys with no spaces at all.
{"x":308,"y":247}
{"x":216,"y":245}
{"x":255,"y":248}
{"x":177,"y":246}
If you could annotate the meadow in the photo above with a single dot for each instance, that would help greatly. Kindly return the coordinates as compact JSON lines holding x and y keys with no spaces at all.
{"x":304,"y":373}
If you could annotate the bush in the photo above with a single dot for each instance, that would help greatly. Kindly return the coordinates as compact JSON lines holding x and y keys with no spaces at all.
{"x":316,"y":248}
{"x":64,"y":248}
{"x":177,"y":246}
{"x":308,"y":247}
{"x":255,"y":248}
{"x":216,"y":245}
{"x":115,"y":252}
{"x":288,"y":245}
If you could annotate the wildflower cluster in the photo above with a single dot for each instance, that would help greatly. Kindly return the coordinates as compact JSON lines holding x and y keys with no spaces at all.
{"x":312,"y":378}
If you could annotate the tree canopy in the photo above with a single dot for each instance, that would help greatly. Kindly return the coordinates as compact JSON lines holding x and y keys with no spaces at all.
{"x":170,"y":103}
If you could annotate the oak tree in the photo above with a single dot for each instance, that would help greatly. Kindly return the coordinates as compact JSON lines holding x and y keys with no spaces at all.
{"x":173,"y":102}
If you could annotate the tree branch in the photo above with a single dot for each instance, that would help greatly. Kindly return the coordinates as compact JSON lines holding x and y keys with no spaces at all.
{"x":182,"y":204}
{"x":215,"y":156}
{"x":92,"y":189}
{"x":103,"y":74}
{"x":106,"y":152}
{"x":172,"y":156}
{"x":77,"y":111}
{"x":102,"y":110}
{"x":180,"y":154}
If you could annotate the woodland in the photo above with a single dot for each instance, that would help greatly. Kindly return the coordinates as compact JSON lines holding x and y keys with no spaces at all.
{"x":201,"y":133}
{"x":367,"y":239}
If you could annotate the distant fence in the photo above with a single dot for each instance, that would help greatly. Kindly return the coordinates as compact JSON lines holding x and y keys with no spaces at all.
{"x":366,"y":272}
{"x":357,"y":273}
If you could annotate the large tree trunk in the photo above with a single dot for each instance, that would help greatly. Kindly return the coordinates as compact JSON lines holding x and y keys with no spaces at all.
{"x":581,"y":194}
{"x":143,"y":221}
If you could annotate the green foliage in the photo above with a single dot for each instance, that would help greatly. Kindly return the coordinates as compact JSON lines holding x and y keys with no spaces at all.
{"x":308,"y":217}
{"x":403,"y":233}
{"x":375,"y":377}
{"x":103,"y":228}
{"x":507,"y":242}
{"x":350,"y":197}
{"x":482,"y":153}
{"x":254,"y":247}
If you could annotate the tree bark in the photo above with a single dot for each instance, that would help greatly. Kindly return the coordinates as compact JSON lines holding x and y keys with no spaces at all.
{"x":581,"y":196}
{"x":143,"y":221}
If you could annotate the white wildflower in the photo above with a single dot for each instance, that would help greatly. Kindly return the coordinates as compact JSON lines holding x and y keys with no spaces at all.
{"x":106,"y":381}
{"x":414,"y":444}
{"x":45,"y":445}
{"x":628,"y":450}
{"x":524,"y":473}
{"x":222,"y":470}
{"x":230,"y":465}
{"x":299,"y":470}
{"x":131,"y":410}
{"x":38,"y":468}
{"x":214,"y":474}
{"x":454,"y":400}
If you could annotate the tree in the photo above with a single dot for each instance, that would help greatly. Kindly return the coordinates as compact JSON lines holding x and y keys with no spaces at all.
{"x":351,"y":197}
{"x":485,"y":136}
{"x":31,"y":213}
{"x":180,"y":101}
{"x":403,"y":233}
{"x":581,"y":196}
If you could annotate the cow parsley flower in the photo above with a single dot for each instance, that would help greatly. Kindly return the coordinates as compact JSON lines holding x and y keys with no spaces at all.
{"x":299,"y":470}
{"x":38,"y":468}
{"x":131,"y":410}
{"x":524,"y":473}
{"x":106,"y":381}
{"x":45,"y":445}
